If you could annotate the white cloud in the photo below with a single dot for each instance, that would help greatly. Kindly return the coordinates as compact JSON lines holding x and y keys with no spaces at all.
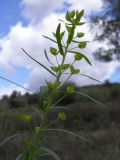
{"x":30,"y":38}
{"x":36,"y":10}
{"x":88,"y":5}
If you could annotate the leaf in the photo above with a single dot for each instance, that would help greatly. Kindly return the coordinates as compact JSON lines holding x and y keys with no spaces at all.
{"x":83,"y":56}
{"x":53,"y":51}
{"x":65,"y":66}
{"x":71,"y":35}
{"x":38,"y":111}
{"x":50,"y":39}
{"x":45,"y":52}
{"x":9,"y":138}
{"x":53,"y":86}
{"x":73,"y":70}
{"x":68,"y":28}
{"x":90,"y":77}
{"x":58,"y":37}
{"x":82,"y":44}
{"x":78,"y":16}
{"x":41,"y":97}
{"x":72,"y":14}
{"x":16,"y":84}
{"x":54,"y":34}
{"x":62,"y":34}
{"x":67,"y":17}
{"x":86,"y":76}
{"x":51,"y":152}
{"x":80,"y":34}
{"x":71,"y":133}
{"x":80,"y":24}
{"x":75,"y":41}
{"x":55,"y":69}
{"x":39,"y":63}
{"x":90,"y":98}
{"x":18,"y":157}
{"x":87,"y":60}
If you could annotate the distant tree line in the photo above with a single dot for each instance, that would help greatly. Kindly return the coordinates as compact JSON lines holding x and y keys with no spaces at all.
{"x":108,"y":30}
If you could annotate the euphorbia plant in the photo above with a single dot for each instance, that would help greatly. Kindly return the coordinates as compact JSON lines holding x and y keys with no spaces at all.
{"x":64,"y":40}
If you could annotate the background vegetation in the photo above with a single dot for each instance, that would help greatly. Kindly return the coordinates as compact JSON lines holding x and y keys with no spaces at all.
{"x":100,"y":125}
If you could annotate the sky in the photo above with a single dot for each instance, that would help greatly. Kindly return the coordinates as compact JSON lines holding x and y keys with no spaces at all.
{"x":23,"y":22}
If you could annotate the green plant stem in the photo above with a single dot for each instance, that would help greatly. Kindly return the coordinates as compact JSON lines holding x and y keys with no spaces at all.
{"x":53,"y":122}
{"x":57,"y":60}
{"x":66,"y":79}
{"x":58,"y":101}
{"x":63,"y":60}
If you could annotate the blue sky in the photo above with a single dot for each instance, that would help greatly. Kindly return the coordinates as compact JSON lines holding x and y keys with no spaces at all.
{"x":22,"y":24}
{"x":10,"y":14}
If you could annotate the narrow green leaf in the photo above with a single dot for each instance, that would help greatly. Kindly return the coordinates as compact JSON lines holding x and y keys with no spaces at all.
{"x":62,"y":34}
{"x":58,"y":37}
{"x":51,"y":152}
{"x":39,"y":63}
{"x":86,"y":76}
{"x":75,"y":41}
{"x":45,"y":52}
{"x":68,"y":28}
{"x":9,"y":138}
{"x":87,"y":60}
{"x":41,"y":97}
{"x":72,"y":14}
{"x":53,"y":106}
{"x":90,"y":77}
{"x":83,"y":56}
{"x":18,"y":157}
{"x":73,"y":70}
{"x":55,"y":69}
{"x":70,"y":35}
{"x":50,"y":39}
{"x":54,"y":34}
{"x":78,"y":16}
{"x":71,"y":133}
{"x":53,"y":86}
{"x":80,"y":24}
{"x":99,"y":103}
{"x":16,"y":84}
{"x":38,"y":111}
{"x":65,"y":66}
{"x":68,"y":18}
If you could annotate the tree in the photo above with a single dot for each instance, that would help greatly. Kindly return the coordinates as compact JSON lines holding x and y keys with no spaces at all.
{"x":108,"y":30}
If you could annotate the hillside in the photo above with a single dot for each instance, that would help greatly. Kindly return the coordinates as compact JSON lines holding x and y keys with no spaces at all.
{"x":99,"y":124}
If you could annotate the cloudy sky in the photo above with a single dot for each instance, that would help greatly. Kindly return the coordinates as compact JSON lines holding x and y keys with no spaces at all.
{"x":23,"y":22}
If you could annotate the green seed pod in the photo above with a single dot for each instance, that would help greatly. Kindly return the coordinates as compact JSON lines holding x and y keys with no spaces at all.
{"x":80,"y":34}
{"x":82,"y":45}
{"x":78,"y":56}
{"x":53,"y":51}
